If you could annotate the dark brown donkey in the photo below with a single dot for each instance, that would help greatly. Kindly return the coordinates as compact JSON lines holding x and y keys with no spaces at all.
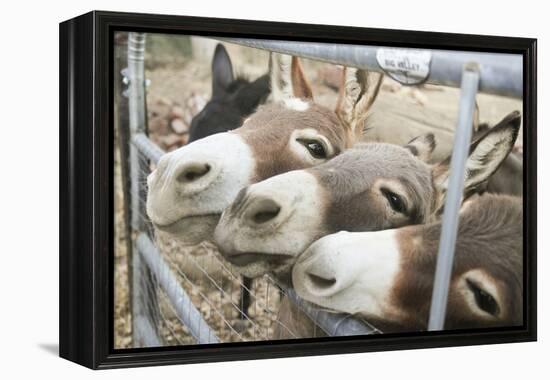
{"x":387,"y":276}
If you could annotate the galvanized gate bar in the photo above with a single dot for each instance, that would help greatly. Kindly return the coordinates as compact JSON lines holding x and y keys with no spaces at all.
{"x":185,"y":310}
{"x":449,"y":229}
{"x":148,"y":148}
{"x":136,"y":100}
{"x":145,"y":334}
{"x":500,"y":74}
{"x":333,"y":324}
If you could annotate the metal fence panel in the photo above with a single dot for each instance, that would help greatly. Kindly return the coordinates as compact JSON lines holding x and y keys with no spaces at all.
{"x":500,"y":74}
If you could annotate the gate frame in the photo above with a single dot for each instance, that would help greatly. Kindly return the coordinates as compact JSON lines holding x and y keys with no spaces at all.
{"x":467,"y":71}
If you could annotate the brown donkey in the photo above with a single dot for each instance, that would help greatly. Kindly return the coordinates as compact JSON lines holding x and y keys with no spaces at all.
{"x":193,"y":185}
{"x":387,"y":276}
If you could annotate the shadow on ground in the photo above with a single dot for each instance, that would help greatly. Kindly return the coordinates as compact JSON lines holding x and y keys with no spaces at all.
{"x":52,"y":348}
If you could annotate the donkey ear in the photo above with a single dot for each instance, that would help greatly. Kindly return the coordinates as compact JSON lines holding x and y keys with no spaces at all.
{"x":222,"y":71}
{"x":357,"y":94}
{"x":422,"y":146}
{"x":254,"y":94}
{"x":287,"y":78}
{"x":300,"y":86}
{"x":486,"y":154}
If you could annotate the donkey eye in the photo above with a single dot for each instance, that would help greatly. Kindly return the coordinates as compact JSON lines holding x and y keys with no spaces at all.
{"x":315,"y":148}
{"x":484,"y":300}
{"x":395,"y":201}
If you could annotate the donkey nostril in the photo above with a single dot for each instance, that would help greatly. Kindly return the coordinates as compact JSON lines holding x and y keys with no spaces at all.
{"x":319,"y":282}
{"x":193,"y":172}
{"x":263,"y":210}
{"x":266,"y":216}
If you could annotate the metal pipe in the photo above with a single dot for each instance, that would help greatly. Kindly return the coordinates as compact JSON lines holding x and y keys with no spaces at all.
{"x":136,"y":100}
{"x":136,"y":78}
{"x":148,"y":148}
{"x":445,"y":258}
{"x":185,"y":310}
{"x":135,"y":121}
{"x":500,"y":74}
{"x":141,"y":275}
{"x":146,"y":333}
{"x":333,"y":324}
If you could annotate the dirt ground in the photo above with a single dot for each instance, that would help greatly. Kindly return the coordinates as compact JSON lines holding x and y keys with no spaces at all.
{"x":176,"y":92}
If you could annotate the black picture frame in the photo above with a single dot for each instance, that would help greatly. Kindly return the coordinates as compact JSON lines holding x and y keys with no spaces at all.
{"x":86,"y":188}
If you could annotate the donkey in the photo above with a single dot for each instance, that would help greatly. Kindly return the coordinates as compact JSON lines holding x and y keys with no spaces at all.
{"x":373,"y":186}
{"x":192,"y":185}
{"x":233,"y":99}
{"x":387,"y":276}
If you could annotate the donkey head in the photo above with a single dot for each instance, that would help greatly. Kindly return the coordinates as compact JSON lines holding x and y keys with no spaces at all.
{"x":233,"y":99}
{"x":372,"y":186}
{"x":193,"y":185}
{"x":387,"y":276}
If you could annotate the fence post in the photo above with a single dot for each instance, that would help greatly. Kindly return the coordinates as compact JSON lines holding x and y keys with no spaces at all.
{"x":122,"y":129}
{"x":461,"y":147}
{"x":144,"y":306}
